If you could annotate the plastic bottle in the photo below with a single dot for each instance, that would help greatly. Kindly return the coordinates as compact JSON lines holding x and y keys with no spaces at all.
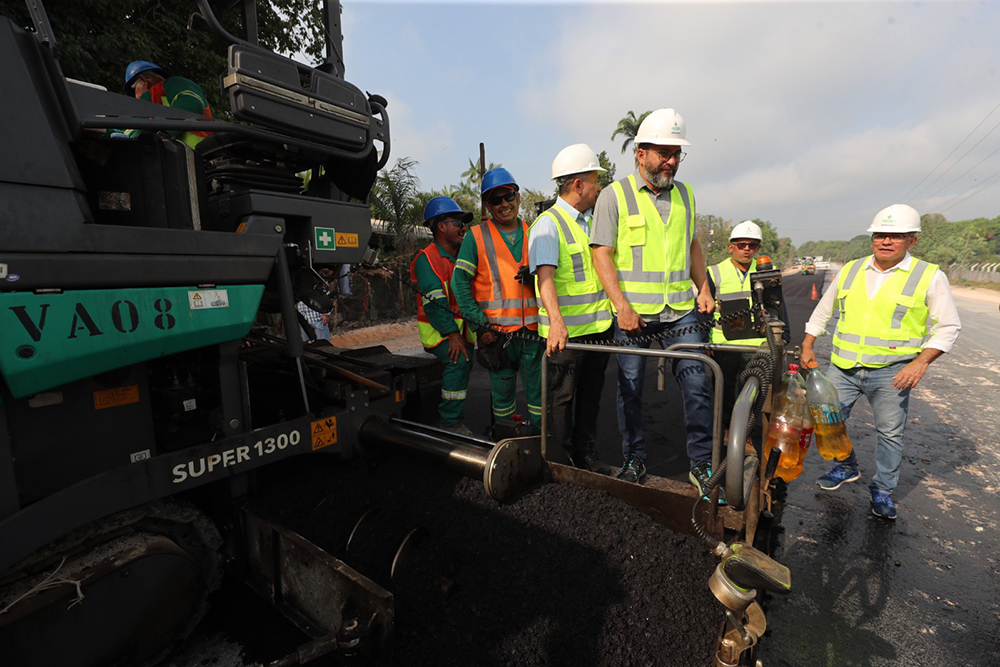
{"x":785,"y":431}
{"x":832,"y":442}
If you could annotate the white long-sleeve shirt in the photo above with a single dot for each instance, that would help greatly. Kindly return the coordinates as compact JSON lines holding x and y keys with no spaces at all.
{"x":942,"y":312}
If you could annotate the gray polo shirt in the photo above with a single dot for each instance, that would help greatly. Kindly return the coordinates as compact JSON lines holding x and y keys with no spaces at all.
{"x":605,"y":230}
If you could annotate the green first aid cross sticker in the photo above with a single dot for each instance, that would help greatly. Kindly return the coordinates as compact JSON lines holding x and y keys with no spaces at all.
{"x":326,"y":238}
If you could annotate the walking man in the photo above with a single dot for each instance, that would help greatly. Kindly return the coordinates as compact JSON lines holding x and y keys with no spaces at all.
{"x":652,"y":267}
{"x":442,"y":333}
{"x":574,"y":307}
{"x":492,"y":284}
{"x":883,"y":343}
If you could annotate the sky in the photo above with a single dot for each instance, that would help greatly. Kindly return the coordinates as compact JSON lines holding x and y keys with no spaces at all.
{"x":812,"y":116}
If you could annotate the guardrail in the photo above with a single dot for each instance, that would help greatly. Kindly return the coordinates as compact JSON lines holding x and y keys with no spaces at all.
{"x":980,"y":272}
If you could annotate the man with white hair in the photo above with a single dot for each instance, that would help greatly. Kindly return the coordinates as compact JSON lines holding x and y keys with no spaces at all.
{"x":883,"y":343}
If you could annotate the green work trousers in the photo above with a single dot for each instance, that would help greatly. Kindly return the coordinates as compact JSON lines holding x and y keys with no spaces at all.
{"x":526,"y":357}
{"x":454,"y":384}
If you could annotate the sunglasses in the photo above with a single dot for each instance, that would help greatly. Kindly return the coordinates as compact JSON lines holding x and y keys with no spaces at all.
{"x":497,"y":199}
{"x":455,"y":221}
{"x":747,"y":246}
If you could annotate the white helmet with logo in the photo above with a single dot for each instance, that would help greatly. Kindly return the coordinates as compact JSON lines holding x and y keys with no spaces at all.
{"x":896,"y":219}
{"x":663,"y":127}
{"x":746,"y":230}
{"x":575,"y":159}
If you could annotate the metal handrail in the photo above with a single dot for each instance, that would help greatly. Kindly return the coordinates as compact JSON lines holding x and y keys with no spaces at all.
{"x":669,"y":354}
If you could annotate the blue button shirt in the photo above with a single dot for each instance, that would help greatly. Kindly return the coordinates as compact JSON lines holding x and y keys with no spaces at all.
{"x":543,"y":240}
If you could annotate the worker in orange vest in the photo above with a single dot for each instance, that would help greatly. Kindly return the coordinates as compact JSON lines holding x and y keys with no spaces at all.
{"x":492,"y":284}
{"x":443,"y":333}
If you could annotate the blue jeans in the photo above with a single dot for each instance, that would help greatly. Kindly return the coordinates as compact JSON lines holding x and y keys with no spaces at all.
{"x":889,"y":405}
{"x":695,"y":386}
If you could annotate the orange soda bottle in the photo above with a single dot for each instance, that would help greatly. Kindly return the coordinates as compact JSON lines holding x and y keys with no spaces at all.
{"x":832,"y":442}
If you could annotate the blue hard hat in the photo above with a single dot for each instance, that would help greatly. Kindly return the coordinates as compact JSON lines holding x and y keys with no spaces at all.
{"x":441,"y":205}
{"x":496,"y":177}
{"x":137,"y":67}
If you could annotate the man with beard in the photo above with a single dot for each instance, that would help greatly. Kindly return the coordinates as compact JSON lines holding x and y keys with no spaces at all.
{"x":493,"y":285}
{"x":431,"y":270}
{"x":652,"y":267}
{"x":574,"y":306}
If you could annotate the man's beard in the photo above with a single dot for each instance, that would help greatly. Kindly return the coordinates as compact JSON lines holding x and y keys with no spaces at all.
{"x":657,"y":180}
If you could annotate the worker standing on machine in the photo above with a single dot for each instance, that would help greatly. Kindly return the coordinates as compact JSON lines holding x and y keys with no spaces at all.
{"x":653,"y":269}
{"x":150,"y":82}
{"x":574,"y":307}
{"x":437,"y":322}
{"x":731,"y":277}
{"x":492,"y":283}
{"x":883,"y":344}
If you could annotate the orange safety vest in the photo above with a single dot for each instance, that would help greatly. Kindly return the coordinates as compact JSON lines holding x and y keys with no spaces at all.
{"x":507,"y":303}
{"x":442,"y":268}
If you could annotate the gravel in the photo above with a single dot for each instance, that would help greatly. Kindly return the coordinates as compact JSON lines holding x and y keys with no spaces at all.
{"x":560,"y":575}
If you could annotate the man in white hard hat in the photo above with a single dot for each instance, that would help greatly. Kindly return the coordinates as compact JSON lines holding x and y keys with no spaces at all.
{"x":730,"y":278}
{"x":883,"y":342}
{"x":652,"y":267}
{"x":574,"y":307}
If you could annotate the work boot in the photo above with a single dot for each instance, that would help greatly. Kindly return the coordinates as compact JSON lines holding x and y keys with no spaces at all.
{"x":460,"y":429}
{"x":633,"y":469}
{"x":587,"y":459}
{"x":700,"y":474}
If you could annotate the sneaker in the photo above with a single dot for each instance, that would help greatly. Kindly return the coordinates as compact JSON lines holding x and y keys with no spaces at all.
{"x":837,"y":477}
{"x":460,"y":429}
{"x":589,"y":460}
{"x":633,"y":470}
{"x":883,"y":506}
{"x":699,"y":476}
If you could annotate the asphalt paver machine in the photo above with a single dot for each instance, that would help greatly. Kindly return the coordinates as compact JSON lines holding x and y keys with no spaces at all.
{"x":140,"y":383}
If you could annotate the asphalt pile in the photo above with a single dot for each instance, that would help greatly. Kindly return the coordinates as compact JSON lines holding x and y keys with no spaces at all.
{"x":558,"y":575}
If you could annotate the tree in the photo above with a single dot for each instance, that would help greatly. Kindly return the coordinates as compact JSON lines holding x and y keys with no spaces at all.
{"x":97,"y":39}
{"x":608,"y":177}
{"x":712,"y":233}
{"x":394,"y":198}
{"x":471,"y":175}
{"x":530,"y":199}
{"x":628,"y":127}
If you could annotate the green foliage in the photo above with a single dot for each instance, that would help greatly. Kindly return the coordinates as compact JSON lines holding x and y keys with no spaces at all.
{"x":529,"y":203}
{"x":608,"y":177}
{"x":713,"y":235}
{"x":396,"y":199}
{"x":628,"y":127}
{"x":97,"y":39}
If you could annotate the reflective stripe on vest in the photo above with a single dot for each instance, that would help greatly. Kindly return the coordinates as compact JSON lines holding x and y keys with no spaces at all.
{"x":443,"y":268}
{"x":583,"y":304}
{"x":653,"y":257}
{"x":884,"y":329}
{"x":726,"y":277}
{"x":192,"y":139}
{"x":506,"y":302}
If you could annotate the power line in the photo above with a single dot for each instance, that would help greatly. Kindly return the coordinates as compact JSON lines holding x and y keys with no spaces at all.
{"x":903,"y":198}
{"x":971,"y":193}
{"x":960,"y":176}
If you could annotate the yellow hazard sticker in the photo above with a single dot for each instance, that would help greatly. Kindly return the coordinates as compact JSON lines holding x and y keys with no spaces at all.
{"x":400,"y":395}
{"x":324,"y":432}
{"x":347,"y":240}
{"x":112,"y":398}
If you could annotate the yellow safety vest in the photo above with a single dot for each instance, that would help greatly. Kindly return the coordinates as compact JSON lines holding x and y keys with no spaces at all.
{"x":653,"y":257}
{"x":583,"y":304}
{"x":726,"y":277}
{"x":889,"y":327}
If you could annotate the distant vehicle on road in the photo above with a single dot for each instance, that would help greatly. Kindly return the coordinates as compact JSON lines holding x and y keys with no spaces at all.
{"x":822,"y":264}
{"x":808,"y":269}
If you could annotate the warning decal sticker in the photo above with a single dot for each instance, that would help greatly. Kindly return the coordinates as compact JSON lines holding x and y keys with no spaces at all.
{"x":324,"y":432}
{"x":112,"y":398}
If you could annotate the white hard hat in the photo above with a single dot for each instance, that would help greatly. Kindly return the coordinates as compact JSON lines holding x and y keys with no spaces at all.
{"x":896,"y":219}
{"x":746,"y":230}
{"x":575,"y":159}
{"x":663,"y":127}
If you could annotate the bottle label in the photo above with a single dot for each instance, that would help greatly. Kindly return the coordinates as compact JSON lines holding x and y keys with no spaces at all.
{"x":825,"y":413}
{"x":806,"y":438}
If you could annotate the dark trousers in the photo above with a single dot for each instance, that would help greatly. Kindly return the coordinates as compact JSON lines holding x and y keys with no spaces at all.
{"x":576,"y":380}
{"x":732,"y":364}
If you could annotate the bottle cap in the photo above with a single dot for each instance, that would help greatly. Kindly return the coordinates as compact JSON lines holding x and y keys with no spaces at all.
{"x":812,"y":364}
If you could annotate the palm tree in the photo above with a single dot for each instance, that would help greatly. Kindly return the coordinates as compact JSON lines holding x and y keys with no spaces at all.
{"x":394,"y":195}
{"x":471,"y":175}
{"x":628,"y":127}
